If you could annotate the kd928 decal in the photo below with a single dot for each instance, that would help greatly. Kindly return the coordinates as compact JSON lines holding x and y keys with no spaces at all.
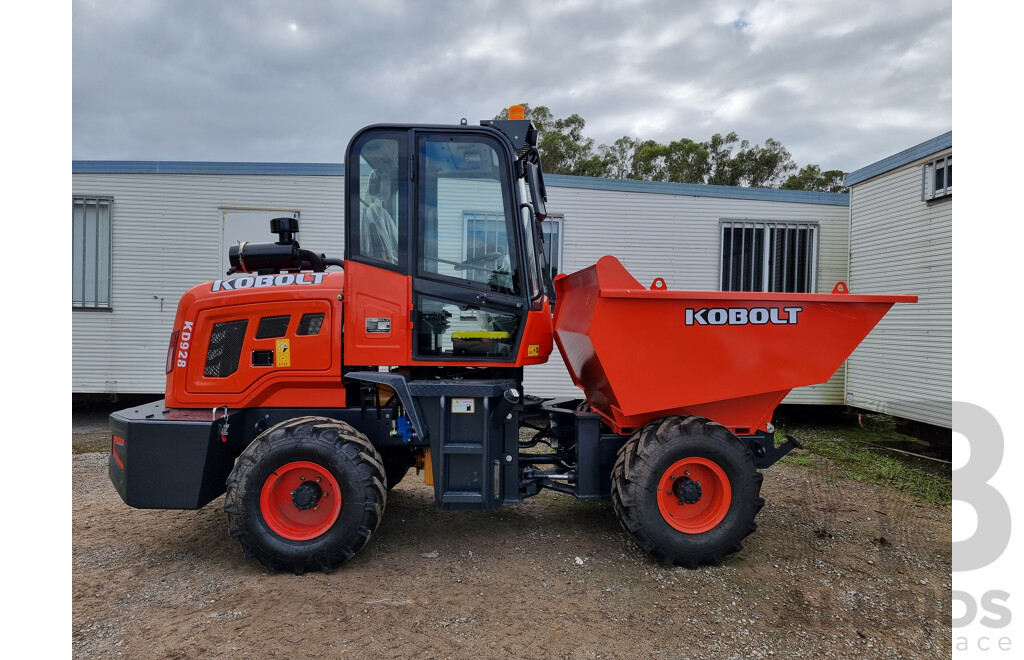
{"x":743,"y":316}
{"x":185,"y":341}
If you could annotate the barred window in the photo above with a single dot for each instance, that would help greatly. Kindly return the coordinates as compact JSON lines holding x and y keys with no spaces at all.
{"x":486,"y":233}
{"x":552,"y":229}
{"x":485,"y":249}
{"x":90,"y":258}
{"x":769,"y":256}
{"x":937,"y":178}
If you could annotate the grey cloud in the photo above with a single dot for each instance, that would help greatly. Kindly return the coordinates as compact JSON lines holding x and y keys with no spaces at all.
{"x":280,"y":81}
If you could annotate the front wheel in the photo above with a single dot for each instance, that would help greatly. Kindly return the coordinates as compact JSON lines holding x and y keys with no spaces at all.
{"x":686,"y":491}
{"x":306,"y":494}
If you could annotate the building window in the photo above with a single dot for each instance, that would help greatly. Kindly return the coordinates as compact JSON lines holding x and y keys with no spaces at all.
{"x":90,"y":260}
{"x":485,"y":234}
{"x":485,"y":251}
{"x":551,"y":228}
{"x":938,"y":178}
{"x":769,"y":256}
{"x":485,"y":237}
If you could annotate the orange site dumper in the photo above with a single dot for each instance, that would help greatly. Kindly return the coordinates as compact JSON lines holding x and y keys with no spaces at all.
{"x":304,"y":396}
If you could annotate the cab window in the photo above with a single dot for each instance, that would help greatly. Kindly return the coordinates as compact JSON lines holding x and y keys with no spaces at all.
{"x":449,"y":329}
{"x":378,"y":236}
{"x":466,"y":223}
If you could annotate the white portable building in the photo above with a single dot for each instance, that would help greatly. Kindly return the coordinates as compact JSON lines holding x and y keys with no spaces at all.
{"x":901,"y":241}
{"x":145,"y":232}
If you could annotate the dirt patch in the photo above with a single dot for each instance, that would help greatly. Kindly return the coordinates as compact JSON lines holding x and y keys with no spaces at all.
{"x":837,"y":569}
{"x":90,"y":419}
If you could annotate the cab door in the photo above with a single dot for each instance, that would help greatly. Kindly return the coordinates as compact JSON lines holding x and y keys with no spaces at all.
{"x":469,"y":294}
{"x":378,"y":285}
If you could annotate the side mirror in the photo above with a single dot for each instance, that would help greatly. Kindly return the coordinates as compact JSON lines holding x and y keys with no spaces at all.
{"x":537,"y":194}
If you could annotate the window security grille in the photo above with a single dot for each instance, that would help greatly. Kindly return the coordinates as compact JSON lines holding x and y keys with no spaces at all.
{"x":485,"y":233}
{"x":769,"y":256}
{"x":90,"y":257}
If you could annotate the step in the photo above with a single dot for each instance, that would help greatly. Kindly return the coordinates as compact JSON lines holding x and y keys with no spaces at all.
{"x":462,"y":448}
{"x":462,"y":497}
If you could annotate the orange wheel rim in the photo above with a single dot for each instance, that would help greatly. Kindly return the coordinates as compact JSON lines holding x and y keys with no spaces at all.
{"x":300,"y":500}
{"x":694,"y":495}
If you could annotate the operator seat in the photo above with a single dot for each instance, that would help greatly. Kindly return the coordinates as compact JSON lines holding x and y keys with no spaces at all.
{"x":378,"y":230}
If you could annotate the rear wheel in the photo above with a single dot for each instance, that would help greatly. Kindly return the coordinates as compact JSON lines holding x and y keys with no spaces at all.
{"x":686,"y":491}
{"x":306,"y":494}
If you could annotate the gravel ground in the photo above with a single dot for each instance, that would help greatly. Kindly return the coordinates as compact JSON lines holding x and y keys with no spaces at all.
{"x":837,"y":569}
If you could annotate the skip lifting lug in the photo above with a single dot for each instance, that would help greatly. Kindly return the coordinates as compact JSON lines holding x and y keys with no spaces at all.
{"x":223,"y":427}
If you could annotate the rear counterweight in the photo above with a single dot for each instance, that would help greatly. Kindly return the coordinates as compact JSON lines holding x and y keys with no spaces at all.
{"x":169,"y":459}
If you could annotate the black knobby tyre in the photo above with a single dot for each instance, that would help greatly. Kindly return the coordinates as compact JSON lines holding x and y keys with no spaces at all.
{"x":689,"y":523}
{"x":397,"y":461}
{"x":306,"y":494}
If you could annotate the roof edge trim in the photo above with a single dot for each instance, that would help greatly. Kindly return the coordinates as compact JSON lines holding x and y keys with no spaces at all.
{"x":905,"y":157}
{"x":555,"y":180}
{"x":697,"y":190}
{"x":199,"y":167}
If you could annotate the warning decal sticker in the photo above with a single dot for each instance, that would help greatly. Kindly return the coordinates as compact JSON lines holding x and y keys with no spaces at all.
{"x":282,"y":353}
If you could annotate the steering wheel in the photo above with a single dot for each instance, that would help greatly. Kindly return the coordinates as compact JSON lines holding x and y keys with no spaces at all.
{"x":476,"y":262}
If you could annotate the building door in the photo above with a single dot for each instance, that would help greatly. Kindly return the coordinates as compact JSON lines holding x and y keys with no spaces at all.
{"x":252,"y":225}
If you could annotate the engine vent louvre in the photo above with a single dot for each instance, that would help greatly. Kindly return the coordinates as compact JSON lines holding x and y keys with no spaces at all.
{"x":310,"y":324}
{"x":225,"y":348}
{"x":272,"y":326}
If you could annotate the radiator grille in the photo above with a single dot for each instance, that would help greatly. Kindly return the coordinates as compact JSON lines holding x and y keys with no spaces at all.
{"x":225,"y":348}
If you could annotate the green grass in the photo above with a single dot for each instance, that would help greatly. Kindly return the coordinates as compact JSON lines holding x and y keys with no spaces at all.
{"x":838,"y":448}
{"x":854,"y":452}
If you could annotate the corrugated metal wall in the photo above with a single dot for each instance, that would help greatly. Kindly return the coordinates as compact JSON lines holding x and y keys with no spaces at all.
{"x":165,"y":239}
{"x":677,"y":237}
{"x":901,"y":244}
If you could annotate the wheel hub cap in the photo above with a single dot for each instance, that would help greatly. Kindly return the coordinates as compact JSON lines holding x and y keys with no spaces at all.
{"x":687,"y":490}
{"x":300,"y":500}
{"x":694,"y":495}
{"x":307,"y":495}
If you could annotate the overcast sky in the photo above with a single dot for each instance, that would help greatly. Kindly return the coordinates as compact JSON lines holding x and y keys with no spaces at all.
{"x":840,"y":84}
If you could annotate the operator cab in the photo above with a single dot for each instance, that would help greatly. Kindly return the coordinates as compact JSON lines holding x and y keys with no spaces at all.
{"x":444,"y":244}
